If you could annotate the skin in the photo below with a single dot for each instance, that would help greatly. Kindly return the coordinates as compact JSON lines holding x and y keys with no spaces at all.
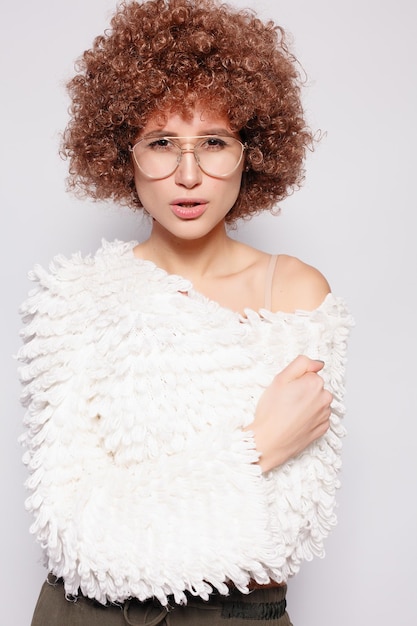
{"x":295,"y":409}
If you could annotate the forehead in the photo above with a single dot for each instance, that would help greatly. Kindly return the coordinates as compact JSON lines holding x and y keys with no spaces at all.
{"x":192,"y":122}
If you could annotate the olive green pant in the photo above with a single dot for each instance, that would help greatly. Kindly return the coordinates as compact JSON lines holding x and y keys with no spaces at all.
{"x":262,"y":606}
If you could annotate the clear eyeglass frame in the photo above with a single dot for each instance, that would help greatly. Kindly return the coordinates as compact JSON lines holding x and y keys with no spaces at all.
{"x":180,"y":151}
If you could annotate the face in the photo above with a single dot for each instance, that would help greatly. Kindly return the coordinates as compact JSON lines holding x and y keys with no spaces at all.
{"x":188,"y":204}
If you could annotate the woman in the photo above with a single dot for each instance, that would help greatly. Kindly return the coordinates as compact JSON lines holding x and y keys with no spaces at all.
{"x":182,"y":449}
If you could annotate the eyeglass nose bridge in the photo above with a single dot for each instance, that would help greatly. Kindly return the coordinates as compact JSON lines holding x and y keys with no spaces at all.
{"x":185,"y":151}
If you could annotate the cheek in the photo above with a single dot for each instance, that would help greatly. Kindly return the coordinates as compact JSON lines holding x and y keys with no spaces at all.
{"x":235,"y":186}
{"x":145,"y":189}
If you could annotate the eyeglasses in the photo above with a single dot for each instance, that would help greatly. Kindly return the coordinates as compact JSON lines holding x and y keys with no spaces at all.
{"x":216,"y":155}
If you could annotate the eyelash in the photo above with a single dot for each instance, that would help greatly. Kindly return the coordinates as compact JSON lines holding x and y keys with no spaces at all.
{"x":210,"y":142}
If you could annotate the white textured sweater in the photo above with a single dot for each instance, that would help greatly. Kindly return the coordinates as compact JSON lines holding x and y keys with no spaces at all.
{"x":142,"y":481}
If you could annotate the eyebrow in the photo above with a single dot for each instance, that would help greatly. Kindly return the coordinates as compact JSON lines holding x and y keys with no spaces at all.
{"x":204,"y":133}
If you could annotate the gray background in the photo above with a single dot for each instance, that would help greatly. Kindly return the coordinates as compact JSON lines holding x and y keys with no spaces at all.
{"x":354,"y":219}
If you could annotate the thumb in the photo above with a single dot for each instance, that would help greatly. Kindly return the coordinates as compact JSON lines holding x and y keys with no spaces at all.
{"x":300,"y":366}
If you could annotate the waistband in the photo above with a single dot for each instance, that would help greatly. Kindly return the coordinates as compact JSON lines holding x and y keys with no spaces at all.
{"x":265,"y":602}
{"x":261,"y":603}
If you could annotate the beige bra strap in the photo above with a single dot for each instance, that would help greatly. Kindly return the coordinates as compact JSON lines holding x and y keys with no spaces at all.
{"x":268,"y":281}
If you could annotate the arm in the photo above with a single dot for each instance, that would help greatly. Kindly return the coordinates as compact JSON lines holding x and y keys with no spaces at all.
{"x":294,"y":410}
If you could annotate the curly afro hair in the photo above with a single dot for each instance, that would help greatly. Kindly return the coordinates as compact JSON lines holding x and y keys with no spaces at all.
{"x":165,"y":55}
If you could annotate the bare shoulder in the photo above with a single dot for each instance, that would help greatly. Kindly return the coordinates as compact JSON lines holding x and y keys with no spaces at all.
{"x":297,"y":285}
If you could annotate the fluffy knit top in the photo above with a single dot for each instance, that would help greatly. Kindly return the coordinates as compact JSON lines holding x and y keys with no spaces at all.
{"x":142,"y":481}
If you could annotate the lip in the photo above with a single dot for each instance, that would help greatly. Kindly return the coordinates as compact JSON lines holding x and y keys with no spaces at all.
{"x":188,"y":208}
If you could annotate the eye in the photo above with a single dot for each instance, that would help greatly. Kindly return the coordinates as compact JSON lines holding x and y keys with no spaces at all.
{"x":161,"y":144}
{"x":214,"y":143}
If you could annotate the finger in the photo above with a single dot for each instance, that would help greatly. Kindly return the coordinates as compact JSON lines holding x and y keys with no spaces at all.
{"x":300,"y":366}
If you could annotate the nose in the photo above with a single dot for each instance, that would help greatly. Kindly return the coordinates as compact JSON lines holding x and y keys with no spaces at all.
{"x":188,"y":172}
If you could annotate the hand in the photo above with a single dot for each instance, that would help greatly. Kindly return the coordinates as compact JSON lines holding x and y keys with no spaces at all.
{"x":292,"y":412}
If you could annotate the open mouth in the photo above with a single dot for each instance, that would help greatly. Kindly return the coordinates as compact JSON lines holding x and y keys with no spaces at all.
{"x":188,"y":209}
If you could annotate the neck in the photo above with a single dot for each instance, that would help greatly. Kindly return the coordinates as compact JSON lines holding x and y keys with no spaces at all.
{"x":193,"y":258}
